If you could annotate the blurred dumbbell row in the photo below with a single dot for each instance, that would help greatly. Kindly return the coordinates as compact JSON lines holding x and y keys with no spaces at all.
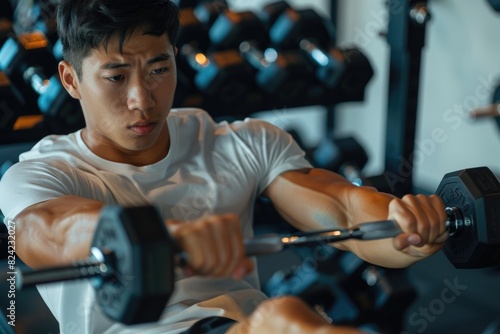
{"x":231,"y":63}
{"x":259,"y":60}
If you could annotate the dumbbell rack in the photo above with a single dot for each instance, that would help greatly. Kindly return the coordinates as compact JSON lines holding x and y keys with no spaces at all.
{"x":406,"y":38}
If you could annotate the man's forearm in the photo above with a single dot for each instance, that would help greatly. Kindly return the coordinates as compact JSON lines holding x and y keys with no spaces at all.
{"x":320,"y":199}
{"x":57,"y":231}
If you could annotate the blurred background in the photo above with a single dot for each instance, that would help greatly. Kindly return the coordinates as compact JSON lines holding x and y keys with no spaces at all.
{"x":390,"y":93}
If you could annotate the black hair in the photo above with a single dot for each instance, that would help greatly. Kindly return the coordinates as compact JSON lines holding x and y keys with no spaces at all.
{"x":84,"y":25}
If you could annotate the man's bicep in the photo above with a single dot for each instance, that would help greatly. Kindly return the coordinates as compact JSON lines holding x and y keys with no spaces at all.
{"x":273,"y":189}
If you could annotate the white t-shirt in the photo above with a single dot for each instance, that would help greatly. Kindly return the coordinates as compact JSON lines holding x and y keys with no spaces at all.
{"x":211,"y":168}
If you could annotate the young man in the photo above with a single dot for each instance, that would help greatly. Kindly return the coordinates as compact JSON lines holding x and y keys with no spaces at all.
{"x":203,"y":177}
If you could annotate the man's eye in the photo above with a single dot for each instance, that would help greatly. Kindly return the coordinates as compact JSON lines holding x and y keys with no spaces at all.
{"x":160,"y":70}
{"x":115,"y":78}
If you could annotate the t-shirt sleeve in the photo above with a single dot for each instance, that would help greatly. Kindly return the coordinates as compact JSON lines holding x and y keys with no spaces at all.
{"x":30,"y":182}
{"x":275,"y":150}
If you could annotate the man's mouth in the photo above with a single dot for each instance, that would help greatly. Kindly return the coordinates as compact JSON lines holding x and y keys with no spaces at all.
{"x":143,"y":128}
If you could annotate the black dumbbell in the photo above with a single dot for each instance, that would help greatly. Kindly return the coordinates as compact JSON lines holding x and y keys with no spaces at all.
{"x":286,"y":76}
{"x":347,"y":70}
{"x":345,"y":288}
{"x":130,"y":284}
{"x":5,"y":29}
{"x":292,"y":26}
{"x":30,"y":63}
{"x":194,"y":24}
{"x":271,"y":11}
{"x":10,"y":104}
{"x":283,"y":75}
{"x":19,"y":53}
{"x":208,"y":11}
{"x":54,"y":101}
{"x":231,"y":28}
{"x":221,"y":76}
{"x":191,"y":30}
{"x":374,"y":294}
{"x":343,"y":155}
{"x":44,"y":13}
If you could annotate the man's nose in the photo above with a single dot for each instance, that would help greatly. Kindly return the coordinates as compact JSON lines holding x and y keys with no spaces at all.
{"x":140,"y":95}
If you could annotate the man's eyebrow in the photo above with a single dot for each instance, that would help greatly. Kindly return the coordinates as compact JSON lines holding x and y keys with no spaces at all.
{"x":114,"y":65}
{"x":161,"y":57}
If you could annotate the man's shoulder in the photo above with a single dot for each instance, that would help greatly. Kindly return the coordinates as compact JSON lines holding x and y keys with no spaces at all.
{"x":229,"y":124}
{"x":50,"y":145}
{"x":187,"y":113}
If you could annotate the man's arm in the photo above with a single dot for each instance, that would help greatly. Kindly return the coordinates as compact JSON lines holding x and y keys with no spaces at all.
{"x":317,"y":199}
{"x":57,"y":231}
{"x":61,"y":230}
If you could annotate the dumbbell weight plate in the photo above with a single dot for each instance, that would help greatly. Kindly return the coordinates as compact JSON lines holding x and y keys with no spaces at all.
{"x":476,"y":193}
{"x":143,"y":262}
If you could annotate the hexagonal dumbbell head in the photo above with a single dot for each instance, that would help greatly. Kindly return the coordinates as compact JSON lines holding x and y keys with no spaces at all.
{"x":475,"y":239}
{"x":142,"y":259}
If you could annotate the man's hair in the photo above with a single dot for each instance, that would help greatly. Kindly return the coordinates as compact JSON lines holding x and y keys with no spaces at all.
{"x":84,"y":25}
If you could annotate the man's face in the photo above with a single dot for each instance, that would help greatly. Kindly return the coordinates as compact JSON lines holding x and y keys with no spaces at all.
{"x":127,"y":96}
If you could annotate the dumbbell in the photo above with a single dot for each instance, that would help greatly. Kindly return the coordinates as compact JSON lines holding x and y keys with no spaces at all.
{"x":343,"y":155}
{"x":10,"y":104}
{"x":208,"y":11}
{"x":345,"y":288}
{"x":39,"y":16}
{"x":54,"y":101}
{"x":43,"y":90}
{"x":132,"y":287}
{"x":22,"y":51}
{"x":271,"y":11}
{"x":44,"y":13}
{"x":192,"y":30}
{"x":283,"y":75}
{"x":222,"y":76}
{"x":5,"y":29}
{"x":346,"y":70}
{"x":231,"y":28}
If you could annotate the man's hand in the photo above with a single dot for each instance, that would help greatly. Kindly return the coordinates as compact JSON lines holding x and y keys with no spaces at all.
{"x":422,"y":219}
{"x":287,"y":315}
{"x":214,"y":246}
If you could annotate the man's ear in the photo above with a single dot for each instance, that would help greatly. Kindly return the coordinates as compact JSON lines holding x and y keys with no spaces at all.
{"x":69,"y":79}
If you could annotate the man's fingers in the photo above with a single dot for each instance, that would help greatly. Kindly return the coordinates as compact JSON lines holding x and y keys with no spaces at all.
{"x":405,"y":240}
{"x":214,"y":245}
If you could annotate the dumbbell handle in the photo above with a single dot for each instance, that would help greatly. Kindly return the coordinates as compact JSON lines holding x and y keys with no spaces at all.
{"x":93,"y":266}
{"x":194,"y":57}
{"x":98,"y":264}
{"x":314,"y":52}
{"x":256,"y":57}
{"x":37,"y":79}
